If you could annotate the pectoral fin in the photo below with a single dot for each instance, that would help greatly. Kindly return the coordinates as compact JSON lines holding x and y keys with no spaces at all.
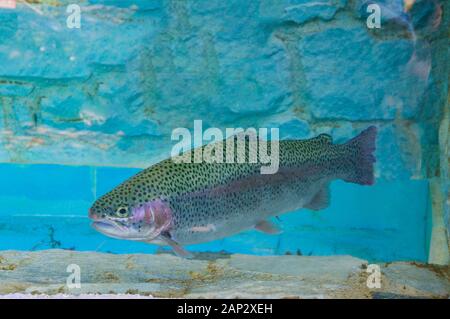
{"x":321,"y":200}
{"x":267,"y":227}
{"x":176,"y":247}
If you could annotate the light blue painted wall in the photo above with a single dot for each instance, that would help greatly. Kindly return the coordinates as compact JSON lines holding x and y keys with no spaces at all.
{"x":45,"y":206}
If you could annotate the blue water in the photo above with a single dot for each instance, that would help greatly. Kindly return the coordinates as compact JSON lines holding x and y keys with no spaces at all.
{"x":45,"y":206}
{"x":111,"y":92}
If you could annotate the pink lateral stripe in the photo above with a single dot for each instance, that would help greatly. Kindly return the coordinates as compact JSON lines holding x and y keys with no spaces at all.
{"x":8,"y":4}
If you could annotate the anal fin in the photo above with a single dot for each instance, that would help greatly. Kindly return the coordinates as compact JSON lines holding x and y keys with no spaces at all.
{"x":320,"y":200}
{"x":267,"y":227}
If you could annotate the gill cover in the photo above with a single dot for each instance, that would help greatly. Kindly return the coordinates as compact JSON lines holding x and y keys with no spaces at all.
{"x":155,"y":215}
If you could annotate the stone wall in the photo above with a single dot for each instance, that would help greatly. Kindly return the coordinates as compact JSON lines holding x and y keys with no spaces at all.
{"x":111,"y":92}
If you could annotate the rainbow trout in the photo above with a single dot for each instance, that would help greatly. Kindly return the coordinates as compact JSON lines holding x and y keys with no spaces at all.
{"x":177,"y":204}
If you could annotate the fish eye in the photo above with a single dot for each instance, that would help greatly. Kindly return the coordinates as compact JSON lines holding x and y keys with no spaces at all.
{"x":122,"y":211}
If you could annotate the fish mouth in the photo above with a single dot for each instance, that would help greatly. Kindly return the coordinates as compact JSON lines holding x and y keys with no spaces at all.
{"x":109,"y":228}
{"x":114,"y":229}
{"x":100,"y":225}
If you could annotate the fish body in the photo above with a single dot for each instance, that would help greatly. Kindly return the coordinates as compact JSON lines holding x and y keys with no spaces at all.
{"x":178,"y":204}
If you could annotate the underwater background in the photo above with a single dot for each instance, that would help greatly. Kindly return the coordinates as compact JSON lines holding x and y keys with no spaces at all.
{"x":82,"y":109}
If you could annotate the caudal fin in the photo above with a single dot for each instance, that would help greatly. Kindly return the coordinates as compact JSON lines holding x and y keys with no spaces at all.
{"x":360,"y":151}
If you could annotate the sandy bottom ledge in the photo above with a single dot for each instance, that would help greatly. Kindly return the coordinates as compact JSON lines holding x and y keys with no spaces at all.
{"x":46,"y":274}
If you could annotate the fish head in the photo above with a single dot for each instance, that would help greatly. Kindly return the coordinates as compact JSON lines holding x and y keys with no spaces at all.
{"x":119,"y":216}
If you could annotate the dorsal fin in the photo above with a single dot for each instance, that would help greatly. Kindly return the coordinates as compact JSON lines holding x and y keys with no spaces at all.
{"x":324,"y":138}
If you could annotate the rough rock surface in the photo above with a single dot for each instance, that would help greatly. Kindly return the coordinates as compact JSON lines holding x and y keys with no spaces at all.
{"x":213,"y":275}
